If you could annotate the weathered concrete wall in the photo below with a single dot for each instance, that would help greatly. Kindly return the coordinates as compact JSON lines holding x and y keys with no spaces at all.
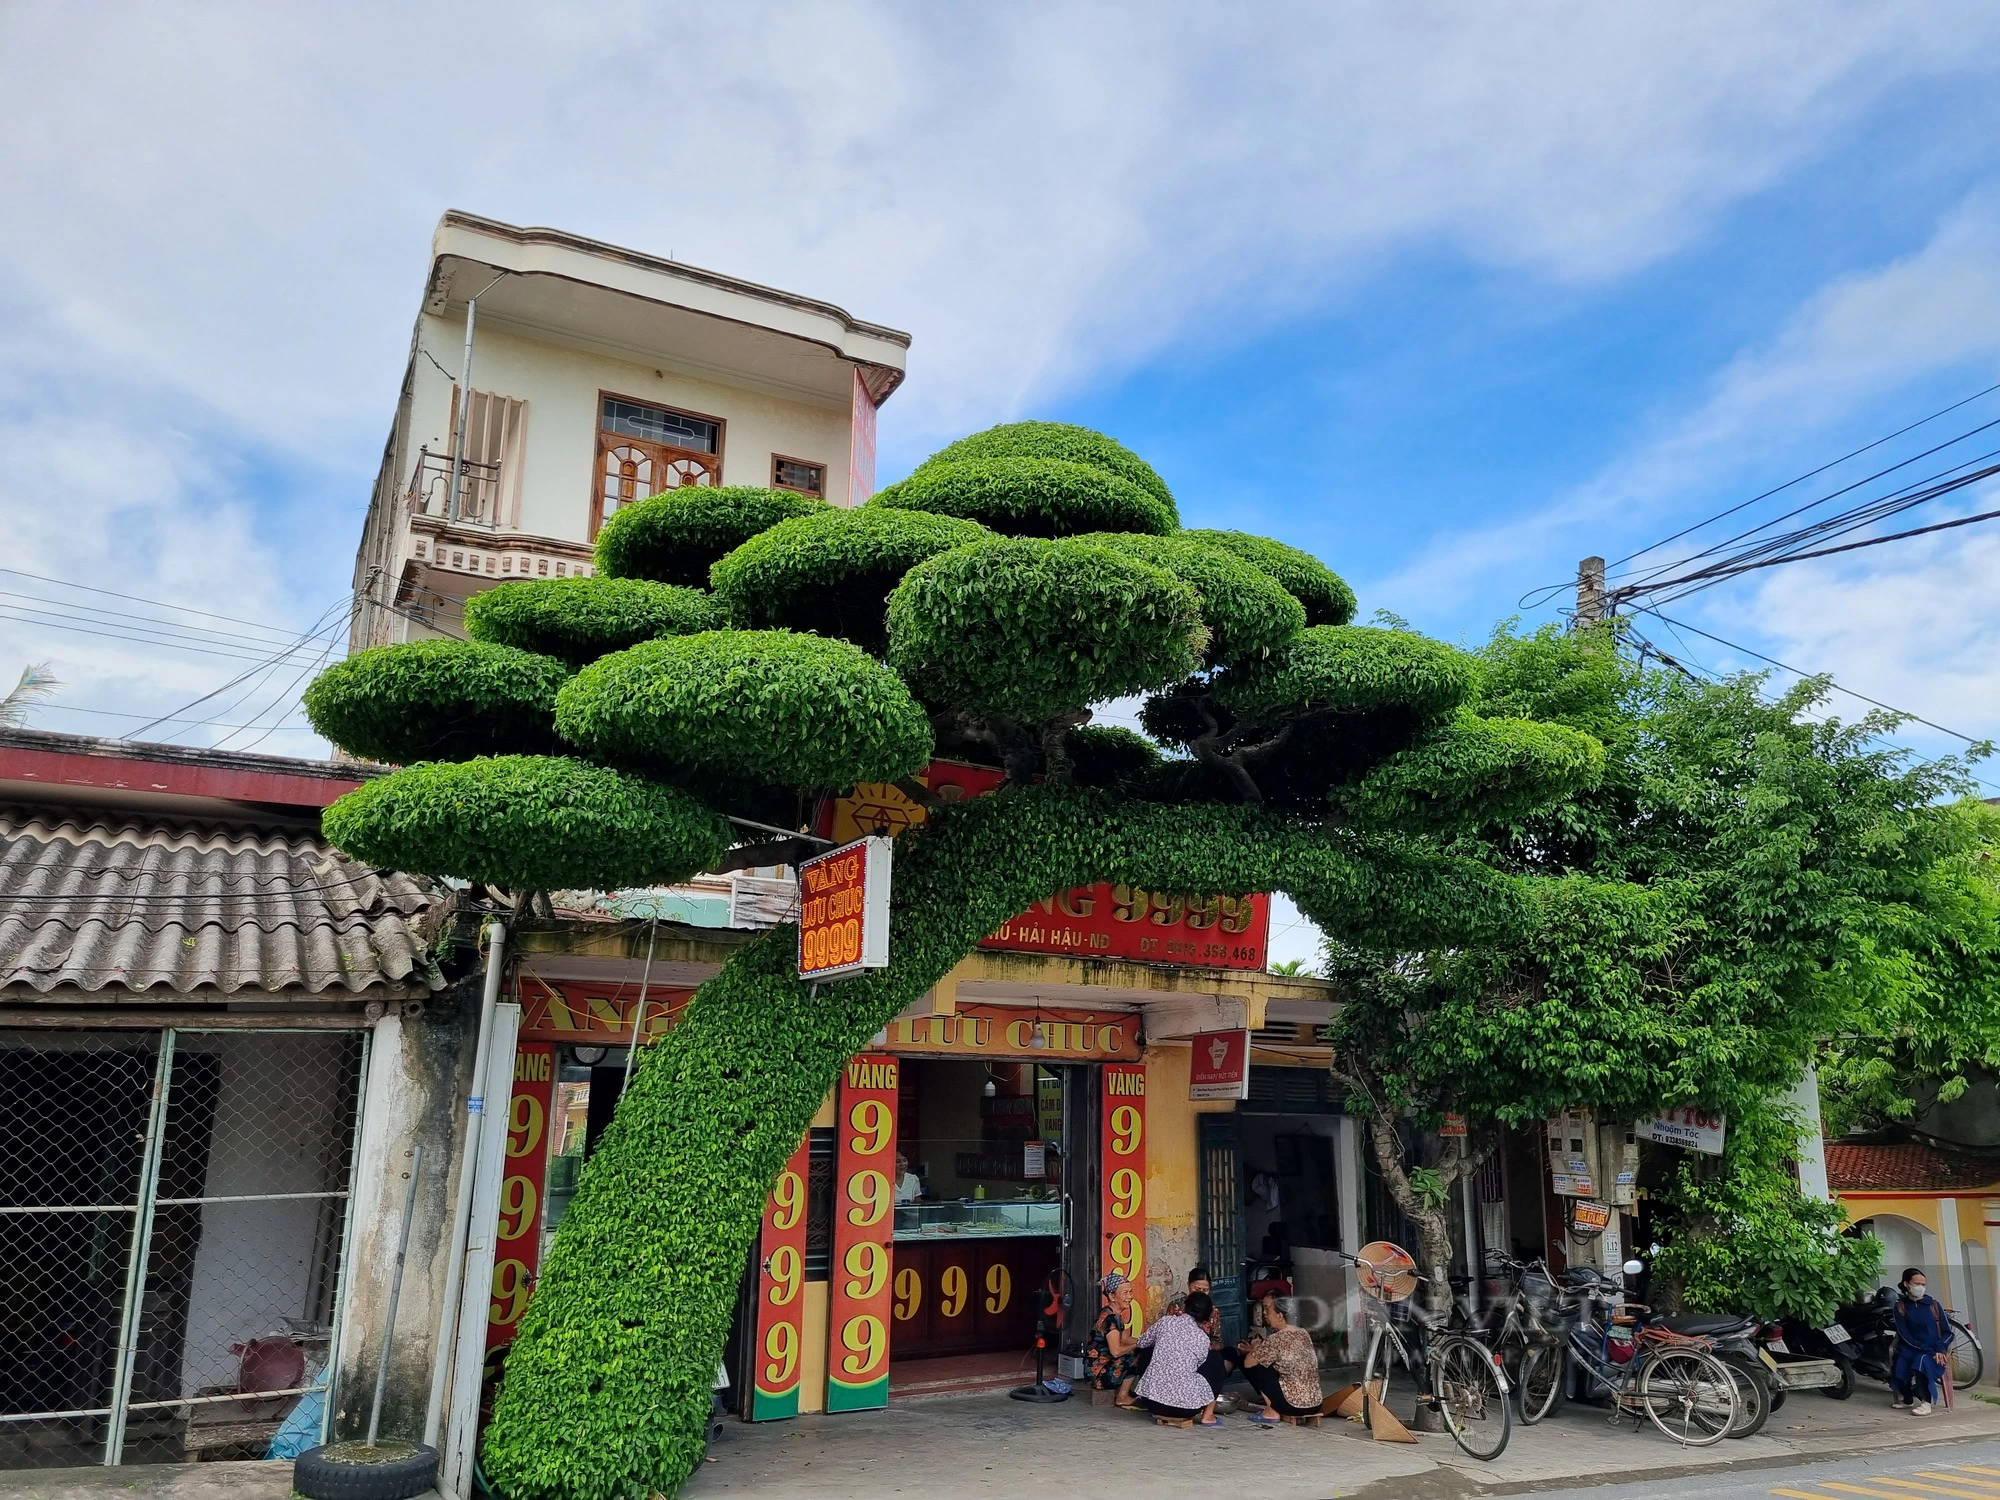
{"x":418,"y":1078}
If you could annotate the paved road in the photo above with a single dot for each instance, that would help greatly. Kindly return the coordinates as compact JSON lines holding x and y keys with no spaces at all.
{"x":1951,"y":1469}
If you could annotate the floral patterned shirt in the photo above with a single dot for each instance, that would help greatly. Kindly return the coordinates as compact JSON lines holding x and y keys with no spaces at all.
{"x":1179,"y":1345}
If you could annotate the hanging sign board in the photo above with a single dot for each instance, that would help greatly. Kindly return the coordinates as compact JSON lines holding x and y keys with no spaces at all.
{"x":844,"y":910}
{"x":1122,"y":1207}
{"x":1009,"y":1031}
{"x":1588,"y":1219}
{"x":864,"y":1229}
{"x":517,"y":1237}
{"x":1690,"y":1129}
{"x":1220,"y":1068}
{"x":781,"y":1282}
{"x":1453,"y":1128}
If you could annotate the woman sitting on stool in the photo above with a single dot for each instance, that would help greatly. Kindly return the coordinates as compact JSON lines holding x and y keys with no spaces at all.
{"x":1172,"y":1388}
{"x":1283,"y":1366}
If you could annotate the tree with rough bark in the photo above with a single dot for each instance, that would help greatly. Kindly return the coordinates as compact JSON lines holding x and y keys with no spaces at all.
{"x":603,"y":732}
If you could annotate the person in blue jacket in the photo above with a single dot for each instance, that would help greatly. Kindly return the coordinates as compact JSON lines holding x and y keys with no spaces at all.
{"x":1923,"y":1344}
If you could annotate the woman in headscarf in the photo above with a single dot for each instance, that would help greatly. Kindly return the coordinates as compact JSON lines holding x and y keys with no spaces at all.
{"x":1113,"y":1356}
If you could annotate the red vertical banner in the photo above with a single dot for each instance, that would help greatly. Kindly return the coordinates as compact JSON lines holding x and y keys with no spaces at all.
{"x":864,"y":1229}
{"x":1122,"y":1211}
{"x":781,"y":1284}
{"x":517,"y":1241}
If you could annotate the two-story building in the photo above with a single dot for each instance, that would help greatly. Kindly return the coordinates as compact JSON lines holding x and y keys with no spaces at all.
{"x":598,"y":376}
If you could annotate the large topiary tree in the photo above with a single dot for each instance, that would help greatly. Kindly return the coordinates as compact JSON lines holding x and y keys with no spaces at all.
{"x":981,"y":609}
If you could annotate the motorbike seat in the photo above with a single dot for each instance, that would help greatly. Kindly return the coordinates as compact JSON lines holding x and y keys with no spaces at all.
{"x":1705,"y":1325}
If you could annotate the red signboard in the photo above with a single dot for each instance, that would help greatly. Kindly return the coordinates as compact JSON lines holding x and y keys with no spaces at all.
{"x":864,"y":1228}
{"x":781,"y":1282}
{"x":517,"y":1240}
{"x":1220,"y":1065}
{"x":1161,"y":927}
{"x":597,"y":1015}
{"x":1122,"y":1205}
{"x":844,"y":910}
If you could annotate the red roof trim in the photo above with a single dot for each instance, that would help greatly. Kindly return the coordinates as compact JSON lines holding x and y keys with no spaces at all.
{"x":140,"y":774}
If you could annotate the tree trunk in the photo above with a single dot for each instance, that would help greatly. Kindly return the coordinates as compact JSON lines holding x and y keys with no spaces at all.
{"x":607,"y":1385}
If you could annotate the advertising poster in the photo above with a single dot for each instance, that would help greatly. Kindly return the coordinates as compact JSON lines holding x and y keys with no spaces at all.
{"x":781,"y":1285}
{"x":1123,"y":1207}
{"x":864,"y":1228}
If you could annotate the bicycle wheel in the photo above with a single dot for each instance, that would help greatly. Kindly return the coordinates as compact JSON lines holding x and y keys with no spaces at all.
{"x":1689,"y":1395}
{"x":1753,"y":1396}
{"x":1466,"y":1384}
{"x":1968,"y":1362}
{"x":1540,"y":1386}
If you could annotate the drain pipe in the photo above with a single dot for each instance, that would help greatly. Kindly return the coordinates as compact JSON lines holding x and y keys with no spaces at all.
{"x":475,"y":1115}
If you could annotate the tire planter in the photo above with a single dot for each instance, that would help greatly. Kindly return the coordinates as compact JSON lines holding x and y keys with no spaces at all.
{"x":354,"y":1471}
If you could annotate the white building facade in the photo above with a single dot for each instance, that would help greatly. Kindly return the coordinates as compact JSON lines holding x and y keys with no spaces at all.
{"x":599,"y":376}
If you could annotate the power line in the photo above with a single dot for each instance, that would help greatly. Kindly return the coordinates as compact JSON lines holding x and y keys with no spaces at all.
{"x":1810,"y":474}
{"x":140,"y":599}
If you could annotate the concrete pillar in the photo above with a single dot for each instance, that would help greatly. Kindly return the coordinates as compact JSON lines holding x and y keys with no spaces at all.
{"x":1804,"y":1099}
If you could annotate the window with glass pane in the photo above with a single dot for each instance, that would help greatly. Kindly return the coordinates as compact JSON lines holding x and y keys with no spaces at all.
{"x":796,"y":474}
{"x":655,"y":424}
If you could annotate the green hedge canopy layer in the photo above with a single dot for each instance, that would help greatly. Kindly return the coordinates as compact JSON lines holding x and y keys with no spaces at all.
{"x":831,"y":573}
{"x":676,"y":537}
{"x":1032,"y":574}
{"x":581,"y":619}
{"x":437,"y":700}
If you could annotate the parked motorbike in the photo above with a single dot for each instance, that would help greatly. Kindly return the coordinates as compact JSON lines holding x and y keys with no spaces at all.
{"x":1736,"y":1340}
{"x":1792,"y":1340}
{"x":1871,"y":1328}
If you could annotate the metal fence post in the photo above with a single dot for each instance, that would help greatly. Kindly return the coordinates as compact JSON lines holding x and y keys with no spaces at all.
{"x":347,"y":1237}
{"x":142,"y":1236}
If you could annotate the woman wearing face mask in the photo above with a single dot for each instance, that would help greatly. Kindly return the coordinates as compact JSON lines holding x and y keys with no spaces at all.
{"x":1923,"y":1343}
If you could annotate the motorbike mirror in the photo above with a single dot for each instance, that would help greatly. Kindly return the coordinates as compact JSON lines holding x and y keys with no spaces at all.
{"x":1635,"y":1267}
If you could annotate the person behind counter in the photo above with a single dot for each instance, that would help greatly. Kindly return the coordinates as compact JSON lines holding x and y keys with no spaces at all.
{"x":909,"y":1186}
{"x":1282,"y":1366}
{"x":1113,"y":1355}
{"x":1172,"y":1388}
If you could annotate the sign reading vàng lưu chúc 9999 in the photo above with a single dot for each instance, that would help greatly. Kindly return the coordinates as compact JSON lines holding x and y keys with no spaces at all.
{"x":844,"y":910}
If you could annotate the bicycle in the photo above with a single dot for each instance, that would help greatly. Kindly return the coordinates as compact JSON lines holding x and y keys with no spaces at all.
{"x":1674,"y":1380}
{"x":1467,"y":1386}
{"x":1530,"y":1338}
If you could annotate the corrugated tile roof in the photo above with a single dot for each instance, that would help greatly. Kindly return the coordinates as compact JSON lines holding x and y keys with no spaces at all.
{"x":1906,"y":1167}
{"x":97,"y":901}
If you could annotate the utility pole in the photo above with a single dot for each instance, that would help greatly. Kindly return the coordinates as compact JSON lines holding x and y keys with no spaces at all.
{"x":1589,"y":593}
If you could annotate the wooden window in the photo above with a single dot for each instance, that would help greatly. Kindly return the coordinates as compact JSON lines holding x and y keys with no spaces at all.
{"x":643,"y":450}
{"x":797,"y":474}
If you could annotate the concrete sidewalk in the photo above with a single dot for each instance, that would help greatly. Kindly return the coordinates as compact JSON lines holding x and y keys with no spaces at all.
{"x":990,"y":1446}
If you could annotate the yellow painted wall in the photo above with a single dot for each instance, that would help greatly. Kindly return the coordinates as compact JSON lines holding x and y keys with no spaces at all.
{"x":812,"y":1358}
{"x":1173,"y":1167}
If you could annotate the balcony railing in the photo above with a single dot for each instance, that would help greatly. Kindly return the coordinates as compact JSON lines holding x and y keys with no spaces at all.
{"x":430,"y":490}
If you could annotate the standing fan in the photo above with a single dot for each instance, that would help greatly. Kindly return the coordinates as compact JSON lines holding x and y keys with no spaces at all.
{"x":1051,"y":1312}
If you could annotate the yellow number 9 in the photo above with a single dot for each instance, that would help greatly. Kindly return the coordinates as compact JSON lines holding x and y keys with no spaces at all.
{"x":872,"y":1123}
{"x":1128,"y":1255}
{"x":787,"y":1271}
{"x":524,"y":1124}
{"x":865,"y":1339}
{"x":1128,"y":1128}
{"x":869,"y":1192}
{"x":999,"y":1282}
{"x":510,"y":1292}
{"x":782,"y":1345}
{"x":1128,"y":1193}
{"x":909,"y":1293}
{"x":951,"y":1291}
{"x":788,"y":1200}
{"x":517,"y":1207}
{"x":868,"y":1264}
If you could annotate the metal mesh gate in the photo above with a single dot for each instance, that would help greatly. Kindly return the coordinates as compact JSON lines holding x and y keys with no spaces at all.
{"x":173,"y":1220}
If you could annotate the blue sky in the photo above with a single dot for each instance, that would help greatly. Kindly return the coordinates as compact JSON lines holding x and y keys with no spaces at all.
{"x":1448,"y":294}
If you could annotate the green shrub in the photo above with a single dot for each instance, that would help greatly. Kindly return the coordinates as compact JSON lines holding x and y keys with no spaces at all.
{"x":1248,"y":614}
{"x":437,"y":700}
{"x":581,"y":619}
{"x":1030,"y":629}
{"x":1030,"y":497}
{"x":676,"y":537}
{"x":1349,"y":669}
{"x":528,"y":822}
{"x":794,"y":710}
{"x":1059,"y":440}
{"x":831,"y":573}
{"x":1109,"y":755}
{"x":1471,"y":769}
{"x":1324,"y":593}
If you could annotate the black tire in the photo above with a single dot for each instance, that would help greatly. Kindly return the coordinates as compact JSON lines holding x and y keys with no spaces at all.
{"x":354,"y":1471}
{"x":1778,"y":1398}
{"x":1753,"y":1395}
{"x":1843,"y":1390}
{"x":1541,"y":1382}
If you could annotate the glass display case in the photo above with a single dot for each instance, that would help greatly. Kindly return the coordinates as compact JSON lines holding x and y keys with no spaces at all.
{"x":977,"y":1218}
